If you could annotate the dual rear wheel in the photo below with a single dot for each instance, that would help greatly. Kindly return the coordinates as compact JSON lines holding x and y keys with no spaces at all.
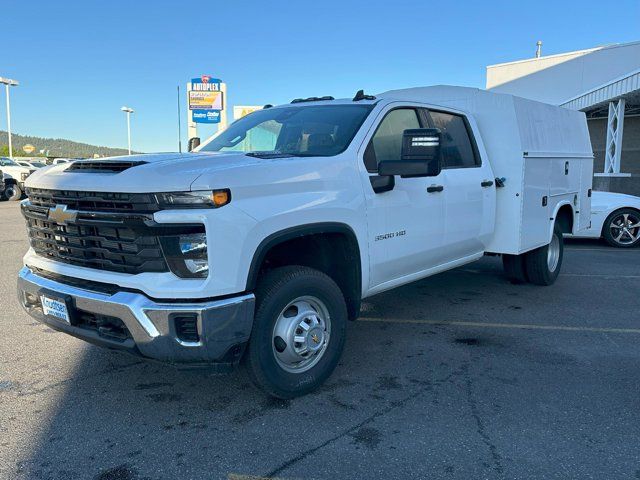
{"x":540,"y":266}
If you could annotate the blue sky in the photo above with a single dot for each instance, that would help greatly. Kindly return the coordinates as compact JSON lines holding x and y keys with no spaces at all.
{"x":79,"y":61}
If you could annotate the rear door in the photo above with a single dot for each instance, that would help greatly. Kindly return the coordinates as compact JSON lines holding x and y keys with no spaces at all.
{"x":470,"y":190}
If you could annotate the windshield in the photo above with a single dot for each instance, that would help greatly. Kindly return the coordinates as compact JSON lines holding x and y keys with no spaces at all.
{"x":38,"y":164}
{"x":7,"y":162}
{"x":321,"y":130}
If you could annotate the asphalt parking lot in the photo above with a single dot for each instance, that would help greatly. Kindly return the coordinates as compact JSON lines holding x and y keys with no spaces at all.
{"x":462,"y":375}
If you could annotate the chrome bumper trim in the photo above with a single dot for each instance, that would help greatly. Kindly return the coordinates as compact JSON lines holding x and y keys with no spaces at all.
{"x":224,"y":321}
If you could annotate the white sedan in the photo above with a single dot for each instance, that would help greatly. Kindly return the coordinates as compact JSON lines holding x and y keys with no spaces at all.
{"x":616,"y":218}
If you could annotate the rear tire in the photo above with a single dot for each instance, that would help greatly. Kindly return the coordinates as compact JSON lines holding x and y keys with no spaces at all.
{"x":514,"y":268}
{"x":298,"y":331}
{"x":13,"y":193}
{"x":543,"y":264}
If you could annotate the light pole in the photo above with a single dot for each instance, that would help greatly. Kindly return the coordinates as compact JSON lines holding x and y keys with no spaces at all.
{"x":9,"y":83}
{"x":128,"y":111}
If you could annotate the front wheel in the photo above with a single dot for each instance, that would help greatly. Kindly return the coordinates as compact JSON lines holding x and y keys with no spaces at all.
{"x":622,"y":228}
{"x":543,"y":264}
{"x":298,"y":331}
{"x":13,"y":192}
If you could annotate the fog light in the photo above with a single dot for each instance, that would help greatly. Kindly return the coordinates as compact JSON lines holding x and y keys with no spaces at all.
{"x":197,"y":267}
{"x":195,"y":243}
{"x":186,"y":254}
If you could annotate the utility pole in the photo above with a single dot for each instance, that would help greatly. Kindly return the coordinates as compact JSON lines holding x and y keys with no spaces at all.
{"x":9,"y":83}
{"x":128,"y":111}
{"x":179,"y":127}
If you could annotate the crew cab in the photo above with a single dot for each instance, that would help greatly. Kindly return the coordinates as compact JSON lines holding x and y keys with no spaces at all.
{"x":260,"y":245}
{"x":14,"y":177}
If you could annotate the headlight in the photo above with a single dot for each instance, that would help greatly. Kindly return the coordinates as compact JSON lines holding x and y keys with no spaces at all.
{"x":186,"y":254}
{"x":199,"y":199}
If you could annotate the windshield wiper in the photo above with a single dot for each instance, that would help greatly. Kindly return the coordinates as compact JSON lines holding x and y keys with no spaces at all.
{"x":269,"y":154}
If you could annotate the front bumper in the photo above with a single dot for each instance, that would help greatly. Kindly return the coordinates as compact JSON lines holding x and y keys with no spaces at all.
{"x":223,"y":326}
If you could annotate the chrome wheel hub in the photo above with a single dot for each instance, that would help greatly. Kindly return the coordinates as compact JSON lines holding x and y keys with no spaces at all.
{"x":301,"y":334}
{"x":553,"y":253}
{"x":625,"y":228}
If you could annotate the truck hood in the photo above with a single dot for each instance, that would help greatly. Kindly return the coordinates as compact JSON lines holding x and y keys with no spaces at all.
{"x":12,"y":171}
{"x":159,"y":172}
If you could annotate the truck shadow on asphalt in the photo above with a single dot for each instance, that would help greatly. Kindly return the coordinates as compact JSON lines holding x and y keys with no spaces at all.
{"x":398,"y":387}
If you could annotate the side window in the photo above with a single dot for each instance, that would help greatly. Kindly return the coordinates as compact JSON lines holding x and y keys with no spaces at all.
{"x":386,"y":143}
{"x":457,"y":149}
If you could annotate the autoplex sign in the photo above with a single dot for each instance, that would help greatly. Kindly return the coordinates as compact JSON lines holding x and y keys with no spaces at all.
{"x":206,"y":99}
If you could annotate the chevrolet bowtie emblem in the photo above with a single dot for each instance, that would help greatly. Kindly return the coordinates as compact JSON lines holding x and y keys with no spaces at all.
{"x":61,"y":215}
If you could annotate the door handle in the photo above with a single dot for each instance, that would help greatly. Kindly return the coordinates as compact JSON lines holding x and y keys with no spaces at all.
{"x":486,"y":183}
{"x":435,"y":188}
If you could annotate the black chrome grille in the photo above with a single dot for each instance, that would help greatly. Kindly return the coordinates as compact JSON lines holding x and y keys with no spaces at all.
{"x":113,"y":248}
{"x":103,"y":231}
{"x":94,"y":201}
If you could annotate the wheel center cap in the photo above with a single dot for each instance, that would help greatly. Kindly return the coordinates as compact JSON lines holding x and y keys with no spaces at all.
{"x":315,"y":338}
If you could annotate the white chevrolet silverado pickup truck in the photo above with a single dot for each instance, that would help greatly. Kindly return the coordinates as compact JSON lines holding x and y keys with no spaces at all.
{"x":260,"y":245}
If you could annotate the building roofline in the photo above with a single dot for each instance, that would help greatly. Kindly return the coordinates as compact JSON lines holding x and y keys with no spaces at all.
{"x":564,"y":54}
{"x":606,"y":96}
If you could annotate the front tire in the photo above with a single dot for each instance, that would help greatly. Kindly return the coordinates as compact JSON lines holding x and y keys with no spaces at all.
{"x":298,"y":332}
{"x":622,"y":228}
{"x":13,"y":193}
{"x":543,"y":264}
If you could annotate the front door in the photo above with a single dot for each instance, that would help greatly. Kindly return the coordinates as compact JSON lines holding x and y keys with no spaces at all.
{"x":406,"y":224}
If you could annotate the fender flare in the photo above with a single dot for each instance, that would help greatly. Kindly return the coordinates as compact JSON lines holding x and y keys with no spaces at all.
{"x":294,"y":232}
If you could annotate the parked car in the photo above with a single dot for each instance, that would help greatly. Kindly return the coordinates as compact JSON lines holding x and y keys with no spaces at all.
{"x":1,"y":185}
{"x":57,"y":161}
{"x":616,"y":218}
{"x":31,"y":163}
{"x":262,"y":244}
{"x":14,"y":177}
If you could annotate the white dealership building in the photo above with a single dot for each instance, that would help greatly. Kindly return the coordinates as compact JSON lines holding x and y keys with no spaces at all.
{"x":603,"y":82}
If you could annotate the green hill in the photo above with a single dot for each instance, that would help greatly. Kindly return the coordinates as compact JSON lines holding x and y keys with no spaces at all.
{"x":54,"y":147}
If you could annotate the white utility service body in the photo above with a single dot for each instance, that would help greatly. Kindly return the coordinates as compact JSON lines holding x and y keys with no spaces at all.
{"x":317,"y":198}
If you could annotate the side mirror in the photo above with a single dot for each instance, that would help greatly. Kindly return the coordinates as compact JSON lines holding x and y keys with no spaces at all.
{"x":193,"y":143}
{"x":420,"y":155}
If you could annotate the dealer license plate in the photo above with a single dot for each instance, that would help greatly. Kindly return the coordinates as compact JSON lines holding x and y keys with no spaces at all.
{"x":55,"y":308}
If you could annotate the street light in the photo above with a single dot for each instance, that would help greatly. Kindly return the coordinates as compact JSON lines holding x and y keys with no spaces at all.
{"x":9,"y":83}
{"x":128,"y":111}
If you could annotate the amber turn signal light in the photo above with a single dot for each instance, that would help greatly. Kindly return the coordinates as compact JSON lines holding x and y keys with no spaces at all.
{"x":220,"y":197}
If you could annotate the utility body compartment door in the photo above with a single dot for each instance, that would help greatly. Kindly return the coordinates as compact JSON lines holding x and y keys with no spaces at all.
{"x":583,"y":220}
{"x":534,"y":226}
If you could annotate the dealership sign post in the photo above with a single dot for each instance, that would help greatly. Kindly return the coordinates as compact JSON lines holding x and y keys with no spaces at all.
{"x":206,"y":103}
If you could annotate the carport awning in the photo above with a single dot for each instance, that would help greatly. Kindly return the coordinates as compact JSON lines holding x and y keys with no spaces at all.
{"x":627,"y":87}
